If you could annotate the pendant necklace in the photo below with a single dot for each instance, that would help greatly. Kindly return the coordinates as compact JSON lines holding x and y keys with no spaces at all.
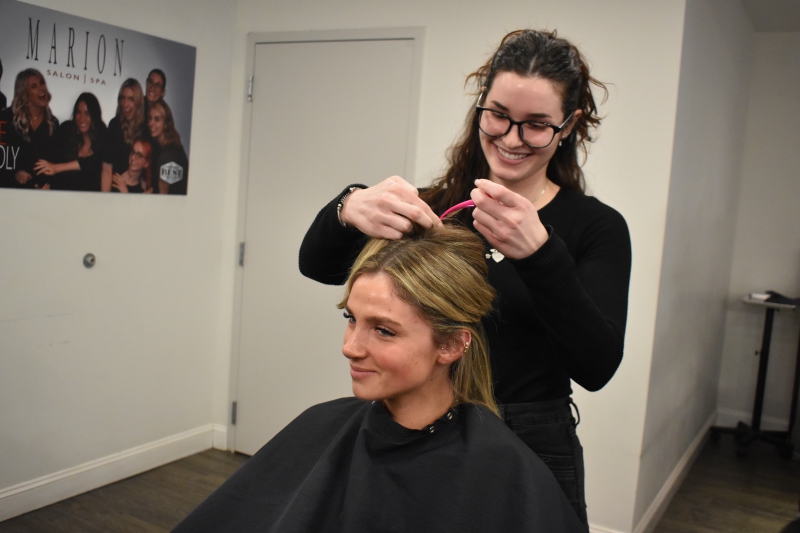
{"x":546,"y":183}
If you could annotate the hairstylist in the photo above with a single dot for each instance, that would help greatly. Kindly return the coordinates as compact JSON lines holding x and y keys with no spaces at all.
{"x":558,"y":259}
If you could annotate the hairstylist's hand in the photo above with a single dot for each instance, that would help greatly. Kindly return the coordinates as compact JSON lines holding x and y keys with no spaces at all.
{"x":508,"y":221}
{"x":387,"y":209}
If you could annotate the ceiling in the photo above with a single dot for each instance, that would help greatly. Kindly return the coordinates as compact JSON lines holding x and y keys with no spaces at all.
{"x":773,"y":15}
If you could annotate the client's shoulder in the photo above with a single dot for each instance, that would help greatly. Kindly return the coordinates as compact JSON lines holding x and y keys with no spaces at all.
{"x":334,"y":412}
{"x":489,"y":435}
{"x":317,"y":425}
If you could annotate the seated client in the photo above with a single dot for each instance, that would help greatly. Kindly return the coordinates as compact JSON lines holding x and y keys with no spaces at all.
{"x":420,"y":447}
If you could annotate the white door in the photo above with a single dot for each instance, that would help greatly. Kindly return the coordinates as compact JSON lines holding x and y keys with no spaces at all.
{"x":324,"y":114}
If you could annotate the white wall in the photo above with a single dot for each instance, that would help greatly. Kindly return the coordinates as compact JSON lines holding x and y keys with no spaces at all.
{"x":767,"y":249}
{"x":96,"y":362}
{"x":704,"y":188}
{"x":635,"y":46}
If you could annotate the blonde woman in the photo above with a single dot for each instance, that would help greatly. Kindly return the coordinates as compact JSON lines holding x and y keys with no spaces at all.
{"x":26,"y":130}
{"x":421,"y":446}
{"x":169,"y":161}
{"x":127,"y":126}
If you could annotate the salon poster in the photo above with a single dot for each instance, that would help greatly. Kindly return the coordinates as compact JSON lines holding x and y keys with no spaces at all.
{"x":90,"y":107}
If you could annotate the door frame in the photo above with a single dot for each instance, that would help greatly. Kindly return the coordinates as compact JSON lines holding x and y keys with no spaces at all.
{"x":415,"y":34}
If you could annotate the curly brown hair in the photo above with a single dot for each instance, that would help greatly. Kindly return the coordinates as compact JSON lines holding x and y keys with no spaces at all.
{"x":527,"y":53}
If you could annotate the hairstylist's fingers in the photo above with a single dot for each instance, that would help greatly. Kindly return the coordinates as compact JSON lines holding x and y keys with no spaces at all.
{"x":496,"y":231}
{"x":497,"y":192}
{"x":390,"y":205}
{"x":487,"y":204}
{"x":487,"y":233}
{"x":417,"y":210}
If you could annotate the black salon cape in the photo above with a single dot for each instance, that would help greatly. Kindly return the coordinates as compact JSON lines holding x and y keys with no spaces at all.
{"x":346,"y":466}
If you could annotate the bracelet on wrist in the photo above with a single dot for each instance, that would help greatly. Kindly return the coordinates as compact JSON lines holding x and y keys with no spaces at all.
{"x":340,"y":205}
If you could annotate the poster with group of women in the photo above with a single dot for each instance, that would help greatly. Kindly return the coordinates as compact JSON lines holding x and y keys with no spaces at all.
{"x":87,"y":106}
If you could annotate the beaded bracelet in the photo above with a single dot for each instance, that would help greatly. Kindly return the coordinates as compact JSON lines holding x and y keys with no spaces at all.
{"x":340,"y":205}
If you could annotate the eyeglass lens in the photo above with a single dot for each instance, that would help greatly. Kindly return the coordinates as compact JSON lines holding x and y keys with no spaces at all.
{"x":534,"y":134}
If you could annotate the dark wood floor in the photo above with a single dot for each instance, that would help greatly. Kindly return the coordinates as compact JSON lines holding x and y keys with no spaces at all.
{"x":725,"y":493}
{"x":722,"y":493}
{"x":153,"y":502}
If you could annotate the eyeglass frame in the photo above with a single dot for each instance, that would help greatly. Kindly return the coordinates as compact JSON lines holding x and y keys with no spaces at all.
{"x":156,"y":84}
{"x":518,"y":124}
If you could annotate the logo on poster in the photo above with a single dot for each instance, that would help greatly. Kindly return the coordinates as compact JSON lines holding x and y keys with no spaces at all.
{"x":32,"y":53}
{"x":171,"y":172}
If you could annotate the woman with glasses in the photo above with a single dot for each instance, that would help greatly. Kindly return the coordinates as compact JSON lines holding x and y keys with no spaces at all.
{"x":155,"y":87}
{"x":421,"y":447}
{"x":138,"y":176}
{"x":558,"y":259}
{"x":77,"y":161}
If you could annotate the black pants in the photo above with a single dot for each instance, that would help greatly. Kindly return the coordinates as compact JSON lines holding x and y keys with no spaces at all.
{"x":548,"y":428}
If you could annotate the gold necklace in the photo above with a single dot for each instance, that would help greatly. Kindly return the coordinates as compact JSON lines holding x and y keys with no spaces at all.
{"x":546,"y":183}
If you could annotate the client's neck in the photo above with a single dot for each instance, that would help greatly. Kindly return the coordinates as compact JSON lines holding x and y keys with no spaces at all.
{"x":421,"y":409}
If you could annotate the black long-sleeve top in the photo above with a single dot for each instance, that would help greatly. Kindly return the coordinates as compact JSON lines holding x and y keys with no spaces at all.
{"x":65,"y":149}
{"x":560,"y":313}
{"x":22,"y":154}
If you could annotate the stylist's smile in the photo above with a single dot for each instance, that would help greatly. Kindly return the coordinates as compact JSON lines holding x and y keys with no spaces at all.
{"x":510,"y":155}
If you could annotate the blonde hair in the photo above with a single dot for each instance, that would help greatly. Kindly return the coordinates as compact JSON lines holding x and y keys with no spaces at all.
{"x":441,"y":272}
{"x":19,"y":105}
{"x":131,"y":129}
{"x":171,"y":135}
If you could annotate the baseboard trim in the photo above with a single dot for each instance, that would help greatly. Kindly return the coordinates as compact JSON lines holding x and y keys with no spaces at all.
{"x":731,"y":417}
{"x":598,"y":529}
{"x":220,"y":437}
{"x":36,"y":493}
{"x":662,"y":500}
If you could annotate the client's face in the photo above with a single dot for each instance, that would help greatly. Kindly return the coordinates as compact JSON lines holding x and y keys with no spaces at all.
{"x":390,"y":347}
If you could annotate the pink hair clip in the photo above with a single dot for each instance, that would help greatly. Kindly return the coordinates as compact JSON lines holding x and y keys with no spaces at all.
{"x":462,"y":205}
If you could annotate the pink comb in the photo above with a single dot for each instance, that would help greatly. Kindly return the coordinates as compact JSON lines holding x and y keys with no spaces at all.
{"x":462,"y":205}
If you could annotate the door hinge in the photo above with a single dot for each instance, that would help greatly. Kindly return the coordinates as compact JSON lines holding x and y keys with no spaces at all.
{"x":250,"y":89}
{"x":241,"y":254}
{"x":233,"y":414}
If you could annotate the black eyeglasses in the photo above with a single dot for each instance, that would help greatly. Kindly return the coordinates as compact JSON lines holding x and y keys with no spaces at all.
{"x":534,"y":133}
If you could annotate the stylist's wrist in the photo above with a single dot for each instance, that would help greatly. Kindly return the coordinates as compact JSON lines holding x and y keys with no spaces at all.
{"x":540,"y":236}
{"x":343,"y":213}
